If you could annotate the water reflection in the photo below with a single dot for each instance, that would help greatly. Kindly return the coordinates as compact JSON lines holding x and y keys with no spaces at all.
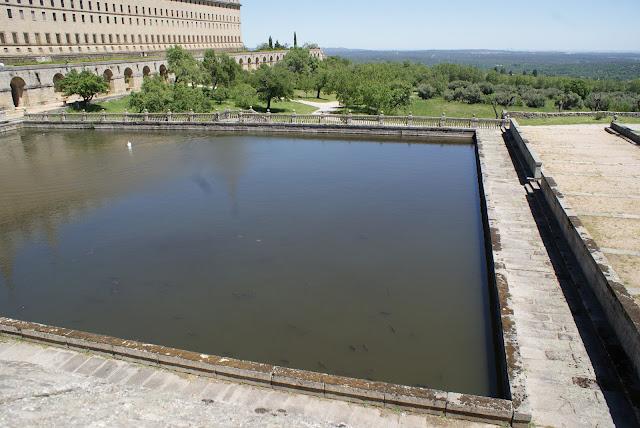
{"x":336,"y":256}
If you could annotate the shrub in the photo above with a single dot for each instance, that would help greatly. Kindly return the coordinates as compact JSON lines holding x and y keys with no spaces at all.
{"x":472,"y":94}
{"x":426,"y":91}
{"x":448,"y":95}
{"x":457,"y":84}
{"x":487,"y":88}
{"x":534,"y":99}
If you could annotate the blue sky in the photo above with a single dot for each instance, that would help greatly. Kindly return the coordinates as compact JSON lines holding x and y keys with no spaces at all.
{"x":566,"y":25}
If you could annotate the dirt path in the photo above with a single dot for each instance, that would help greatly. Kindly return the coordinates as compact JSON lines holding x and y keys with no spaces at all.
{"x":322,"y":107}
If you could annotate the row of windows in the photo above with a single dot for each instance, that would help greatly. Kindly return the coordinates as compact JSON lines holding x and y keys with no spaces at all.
{"x":77,"y":39}
{"x":174,"y":13}
{"x":111,"y":48}
{"x":114,"y":20}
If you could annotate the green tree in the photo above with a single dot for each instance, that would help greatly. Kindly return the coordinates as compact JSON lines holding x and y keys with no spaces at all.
{"x":270,"y":42}
{"x":273,"y":83}
{"x":155,"y":96}
{"x":426,"y":91}
{"x":244,"y":95}
{"x":220,"y":69}
{"x":184,"y":66}
{"x":84,"y":84}
{"x":578,"y":86}
{"x":295,"y":40}
{"x":504,"y":98}
{"x":189,"y":98}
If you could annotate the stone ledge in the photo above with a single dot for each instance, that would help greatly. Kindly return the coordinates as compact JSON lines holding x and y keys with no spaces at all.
{"x":405,"y":398}
{"x":620,"y":308}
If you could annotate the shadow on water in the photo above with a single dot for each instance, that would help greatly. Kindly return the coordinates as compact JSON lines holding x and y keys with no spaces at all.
{"x":612,"y":368}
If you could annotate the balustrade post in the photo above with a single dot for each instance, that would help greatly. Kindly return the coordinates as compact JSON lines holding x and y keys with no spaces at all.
{"x":349,"y":117}
{"x":443,"y":120}
{"x":103,"y":117}
{"x":293,"y":117}
{"x":146,"y":115}
{"x":268,"y":115}
{"x":323,"y":118}
{"x":474,"y":122}
{"x":241,"y":117}
{"x":125,"y":116}
{"x":84,"y":115}
{"x":46,"y":117}
{"x":63,"y":116}
{"x":410,"y":119}
{"x":169,"y":116}
{"x":191,"y":116}
{"x":381,"y":118}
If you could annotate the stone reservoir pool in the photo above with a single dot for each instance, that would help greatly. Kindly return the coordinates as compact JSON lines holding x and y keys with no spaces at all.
{"x":362,"y":258}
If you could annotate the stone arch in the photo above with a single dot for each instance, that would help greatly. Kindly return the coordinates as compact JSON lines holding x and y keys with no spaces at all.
{"x":128,"y":78}
{"x":108,"y":77}
{"x":164,"y":73}
{"x":18,"y":91}
{"x":57,"y":78}
{"x":146,"y":71}
{"x":264,"y":59}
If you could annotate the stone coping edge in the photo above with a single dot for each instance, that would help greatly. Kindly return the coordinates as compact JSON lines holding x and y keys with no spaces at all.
{"x":528,"y":155}
{"x":460,"y":406}
{"x":504,"y":314}
{"x":626,"y":131}
{"x":620,"y":308}
{"x":466,"y":133}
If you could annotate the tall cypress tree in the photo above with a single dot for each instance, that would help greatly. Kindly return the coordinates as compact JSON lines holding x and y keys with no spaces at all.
{"x":295,"y":39}
{"x":270,"y":42}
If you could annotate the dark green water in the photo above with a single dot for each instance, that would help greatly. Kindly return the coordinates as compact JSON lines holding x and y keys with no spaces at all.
{"x":353,"y":257}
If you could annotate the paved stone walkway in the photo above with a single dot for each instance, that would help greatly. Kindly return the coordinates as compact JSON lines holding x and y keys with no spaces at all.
{"x":560,"y":378}
{"x":45,"y":386}
{"x":599,"y":173}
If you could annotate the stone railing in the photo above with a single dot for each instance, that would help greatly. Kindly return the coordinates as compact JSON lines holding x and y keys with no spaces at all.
{"x":545,"y":115}
{"x":242,"y":117}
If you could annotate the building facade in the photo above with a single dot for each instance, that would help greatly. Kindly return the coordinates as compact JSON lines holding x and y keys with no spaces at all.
{"x":47,"y":28}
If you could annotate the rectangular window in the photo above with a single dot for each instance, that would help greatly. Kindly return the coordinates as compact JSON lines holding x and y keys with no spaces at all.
{"x":38,"y":39}
{"x":55,"y":17}
{"x":15,"y":38}
{"x":58,"y":39}
{"x":68,"y":38}
{"x":47,"y":38}
{"x":9,"y":14}
{"x":26,"y":38}
{"x":33,"y":15}
{"x":77,"y":39}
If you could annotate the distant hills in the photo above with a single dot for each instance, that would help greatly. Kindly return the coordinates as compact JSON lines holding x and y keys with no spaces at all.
{"x":611,"y":65}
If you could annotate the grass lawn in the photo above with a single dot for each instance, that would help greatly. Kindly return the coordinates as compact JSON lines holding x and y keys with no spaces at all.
{"x":311,"y":96}
{"x":121,"y":104}
{"x":436,"y":106}
{"x":112,"y":106}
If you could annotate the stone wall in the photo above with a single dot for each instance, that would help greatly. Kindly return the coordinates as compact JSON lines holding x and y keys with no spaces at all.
{"x":33,"y":85}
{"x":545,"y":115}
{"x":530,"y":158}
